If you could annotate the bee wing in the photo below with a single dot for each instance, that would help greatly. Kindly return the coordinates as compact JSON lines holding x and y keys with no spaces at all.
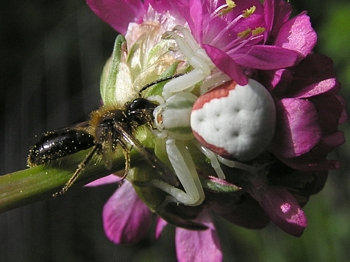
{"x":166,"y":173}
{"x":82,"y":125}
{"x":107,"y":151}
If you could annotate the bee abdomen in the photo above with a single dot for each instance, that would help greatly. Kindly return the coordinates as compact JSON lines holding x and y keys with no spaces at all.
{"x":56,"y":144}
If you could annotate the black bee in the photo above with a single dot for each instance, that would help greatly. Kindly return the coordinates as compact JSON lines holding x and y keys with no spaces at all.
{"x":108,"y":128}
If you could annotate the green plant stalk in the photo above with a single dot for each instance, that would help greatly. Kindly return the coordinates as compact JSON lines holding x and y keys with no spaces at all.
{"x":40,"y":182}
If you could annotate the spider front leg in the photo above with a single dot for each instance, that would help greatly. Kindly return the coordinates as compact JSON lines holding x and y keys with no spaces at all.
{"x":186,"y":172}
{"x":194,"y":55}
{"x":173,"y":124}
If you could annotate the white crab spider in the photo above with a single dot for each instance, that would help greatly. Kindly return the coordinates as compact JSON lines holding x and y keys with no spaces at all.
{"x":172,"y":119}
{"x":172,"y":122}
{"x":235,"y":121}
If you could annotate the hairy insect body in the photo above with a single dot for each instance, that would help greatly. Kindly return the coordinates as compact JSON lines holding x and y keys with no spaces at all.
{"x":108,"y":127}
{"x":104,"y":123}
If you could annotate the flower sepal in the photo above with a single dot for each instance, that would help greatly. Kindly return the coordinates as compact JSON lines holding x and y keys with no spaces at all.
{"x":108,"y":82}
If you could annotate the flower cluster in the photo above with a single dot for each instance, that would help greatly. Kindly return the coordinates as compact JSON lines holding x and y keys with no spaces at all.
{"x":245,"y":39}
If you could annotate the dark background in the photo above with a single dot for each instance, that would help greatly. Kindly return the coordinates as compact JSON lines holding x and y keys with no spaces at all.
{"x":51,"y":58}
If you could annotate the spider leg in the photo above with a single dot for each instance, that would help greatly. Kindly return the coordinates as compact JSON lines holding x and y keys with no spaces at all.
{"x":181,"y":161}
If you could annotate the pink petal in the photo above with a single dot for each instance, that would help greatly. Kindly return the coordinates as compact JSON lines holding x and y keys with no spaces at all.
{"x":198,"y":246}
{"x":118,"y":14}
{"x":226,"y":64}
{"x":272,"y":79}
{"x":297,"y":34}
{"x":159,"y":6}
{"x":269,"y":14}
{"x":195,"y":19}
{"x":178,"y":9}
{"x":284,"y":211}
{"x":189,"y":11}
{"x":276,"y":13}
{"x":265,"y":57}
{"x":105,"y":180}
{"x":315,"y":160}
{"x":297,"y":128}
{"x":126,"y":219}
{"x":161,"y":223}
{"x":317,"y":88}
{"x":314,"y":75}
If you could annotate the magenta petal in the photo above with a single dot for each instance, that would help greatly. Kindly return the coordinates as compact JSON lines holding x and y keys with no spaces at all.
{"x":226,"y":64}
{"x":276,"y":13}
{"x":126,"y":219}
{"x":315,"y":160}
{"x":178,"y":9}
{"x":297,"y":128}
{"x":118,"y":14}
{"x":316,"y":88}
{"x":161,"y":223}
{"x":297,"y":34}
{"x":105,"y":180}
{"x":313,"y":75}
{"x":284,"y":211}
{"x":195,"y":20}
{"x":269,"y":14}
{"x":159,"y":6}
{"x":198,"y":246}
{"x":265,"y":57}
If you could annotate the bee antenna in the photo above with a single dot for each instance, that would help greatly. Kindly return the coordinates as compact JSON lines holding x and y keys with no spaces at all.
{"x":158,"y":81}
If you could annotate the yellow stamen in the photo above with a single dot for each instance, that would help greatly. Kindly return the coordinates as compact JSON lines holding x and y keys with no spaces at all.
{"x":244,"y":33}
{"x":249,"y":12}
{"x":229,"y":6}
{"x":258,"y":31}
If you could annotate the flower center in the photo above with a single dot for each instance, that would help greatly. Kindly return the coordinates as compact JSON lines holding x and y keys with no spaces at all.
{"x":243,"y":37}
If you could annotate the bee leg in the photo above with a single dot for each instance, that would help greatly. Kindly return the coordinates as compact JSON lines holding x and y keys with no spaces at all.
{"x":78,"y":171}
{"x":126,"y":152}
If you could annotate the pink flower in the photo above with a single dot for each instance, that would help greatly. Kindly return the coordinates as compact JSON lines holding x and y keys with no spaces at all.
{"x":308,"y":114}
{"x":126,"y":220}
{"x":251,"y":36}
{"x":250,"y":40}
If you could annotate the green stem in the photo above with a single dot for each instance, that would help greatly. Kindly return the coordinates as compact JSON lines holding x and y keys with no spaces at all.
{"x":36,"y":183}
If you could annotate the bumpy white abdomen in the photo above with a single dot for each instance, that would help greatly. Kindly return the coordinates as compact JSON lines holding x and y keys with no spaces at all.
{"x":235,"y":121}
